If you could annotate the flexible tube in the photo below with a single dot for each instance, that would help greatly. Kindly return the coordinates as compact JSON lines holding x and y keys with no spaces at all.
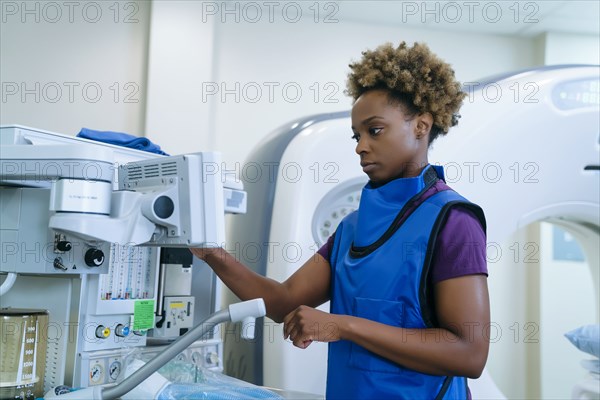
{"x":8,"y":283}
{"x":170,"y":352}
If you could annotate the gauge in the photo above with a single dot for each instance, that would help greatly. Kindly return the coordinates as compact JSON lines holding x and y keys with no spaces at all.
{"x":96,"y":374}
{"x":114,"y":370}
{"x":197,"y":358}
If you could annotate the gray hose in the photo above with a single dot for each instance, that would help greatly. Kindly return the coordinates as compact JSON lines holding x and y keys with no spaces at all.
{"x":165,"y":356}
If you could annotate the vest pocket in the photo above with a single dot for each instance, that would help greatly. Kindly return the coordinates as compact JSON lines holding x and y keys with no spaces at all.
{"x":383,"y":311}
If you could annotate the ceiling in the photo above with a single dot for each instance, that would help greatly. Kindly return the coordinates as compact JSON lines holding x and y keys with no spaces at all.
{"x":508,"y":17}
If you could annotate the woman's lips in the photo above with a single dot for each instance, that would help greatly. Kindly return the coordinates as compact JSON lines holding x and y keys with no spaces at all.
{"x":368,"y":167}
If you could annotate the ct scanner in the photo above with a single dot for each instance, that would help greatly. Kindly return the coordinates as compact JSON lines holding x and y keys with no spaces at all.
{"x":526,"y":149}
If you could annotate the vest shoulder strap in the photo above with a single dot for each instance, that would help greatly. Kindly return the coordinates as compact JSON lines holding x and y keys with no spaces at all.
{"x":447,"y":200}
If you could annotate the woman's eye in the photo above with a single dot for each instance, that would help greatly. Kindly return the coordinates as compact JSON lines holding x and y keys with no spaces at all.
{"x":356,"y":137}
{"x":374,"y":131}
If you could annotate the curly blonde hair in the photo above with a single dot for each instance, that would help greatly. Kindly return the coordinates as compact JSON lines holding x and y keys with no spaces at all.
{"x":413,"y":77}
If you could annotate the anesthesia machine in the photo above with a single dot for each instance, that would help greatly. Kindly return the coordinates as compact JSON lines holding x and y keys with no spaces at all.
{"x":94,"y":240}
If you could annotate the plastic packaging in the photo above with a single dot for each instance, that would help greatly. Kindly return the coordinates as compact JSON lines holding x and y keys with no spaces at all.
{"x":212,"y":391}
{"x":180,"y":380}
{"x":193,"y":383}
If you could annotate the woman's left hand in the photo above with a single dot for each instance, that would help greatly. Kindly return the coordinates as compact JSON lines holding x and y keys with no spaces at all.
{"x":306,"y":324}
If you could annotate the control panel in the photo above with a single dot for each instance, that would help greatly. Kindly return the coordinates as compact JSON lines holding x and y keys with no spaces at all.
{"x":30,"y":246}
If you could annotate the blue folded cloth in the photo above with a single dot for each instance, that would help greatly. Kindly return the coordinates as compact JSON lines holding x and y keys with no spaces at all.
{"x":121,"y":139}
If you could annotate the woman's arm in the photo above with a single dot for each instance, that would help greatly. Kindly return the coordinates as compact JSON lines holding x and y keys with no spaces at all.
{"x":308,"y":285}
{"x":459,"y":347}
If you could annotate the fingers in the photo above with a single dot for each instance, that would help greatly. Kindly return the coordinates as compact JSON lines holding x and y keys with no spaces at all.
{"x":289,"y":324}
{"x":304,"y":344}
{"x":198,"y":252}
{"x":294,"y":329}
{"x":202,"y":252}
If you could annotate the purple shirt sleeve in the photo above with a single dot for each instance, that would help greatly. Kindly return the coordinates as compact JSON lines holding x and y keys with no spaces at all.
{"x":325,"y":250}
{"x":460,"y":247}
{"x":459,"y":250}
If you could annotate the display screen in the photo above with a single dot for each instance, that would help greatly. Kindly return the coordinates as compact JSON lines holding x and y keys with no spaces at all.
{"x":577,"y":94}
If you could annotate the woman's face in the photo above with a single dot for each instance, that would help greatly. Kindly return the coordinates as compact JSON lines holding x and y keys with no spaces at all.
{"x":390,"y":144}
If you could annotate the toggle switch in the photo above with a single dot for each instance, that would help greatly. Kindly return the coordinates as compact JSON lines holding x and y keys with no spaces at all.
{"x":58,"y":264}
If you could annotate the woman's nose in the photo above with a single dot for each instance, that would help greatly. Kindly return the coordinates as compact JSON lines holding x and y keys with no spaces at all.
{"x":362,"y":145}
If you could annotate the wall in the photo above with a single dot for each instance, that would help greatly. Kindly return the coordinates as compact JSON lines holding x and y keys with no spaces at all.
{"x":268,"y":71}
{"x":314,"y":57}
{"x":68,"y":65}
{"x":565,"y":48}
{"x":180,"y":59}
{"x":119,"y":66}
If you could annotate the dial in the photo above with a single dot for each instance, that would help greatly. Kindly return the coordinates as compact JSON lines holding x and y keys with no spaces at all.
{"x":96,"y":374}
{"x":114,"y":370}
{"x":197,"y":358}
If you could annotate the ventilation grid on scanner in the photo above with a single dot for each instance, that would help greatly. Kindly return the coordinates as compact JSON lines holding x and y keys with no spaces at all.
{"x":135,"y":172}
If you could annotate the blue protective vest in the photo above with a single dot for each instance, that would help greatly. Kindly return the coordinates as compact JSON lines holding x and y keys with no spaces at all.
{"x":380,"y":262}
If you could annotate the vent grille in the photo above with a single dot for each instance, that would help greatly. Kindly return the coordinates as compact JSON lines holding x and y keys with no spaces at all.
{"x":134,"y":172}
{"x":137,"y":172}
{"x":168,"y":168}
{"x":151,"y":171}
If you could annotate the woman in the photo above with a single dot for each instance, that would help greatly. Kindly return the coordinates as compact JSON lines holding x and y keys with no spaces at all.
{"x":406,"y":273}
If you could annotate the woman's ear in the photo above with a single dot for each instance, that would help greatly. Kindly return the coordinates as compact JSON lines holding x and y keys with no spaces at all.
{"x":423,"y":125}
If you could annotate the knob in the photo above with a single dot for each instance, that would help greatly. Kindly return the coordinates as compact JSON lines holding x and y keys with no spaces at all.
{"x":102,"y":332}
{"x":94,"y":257}
{"x":64,"y":245}
{"x":121,"y":330}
